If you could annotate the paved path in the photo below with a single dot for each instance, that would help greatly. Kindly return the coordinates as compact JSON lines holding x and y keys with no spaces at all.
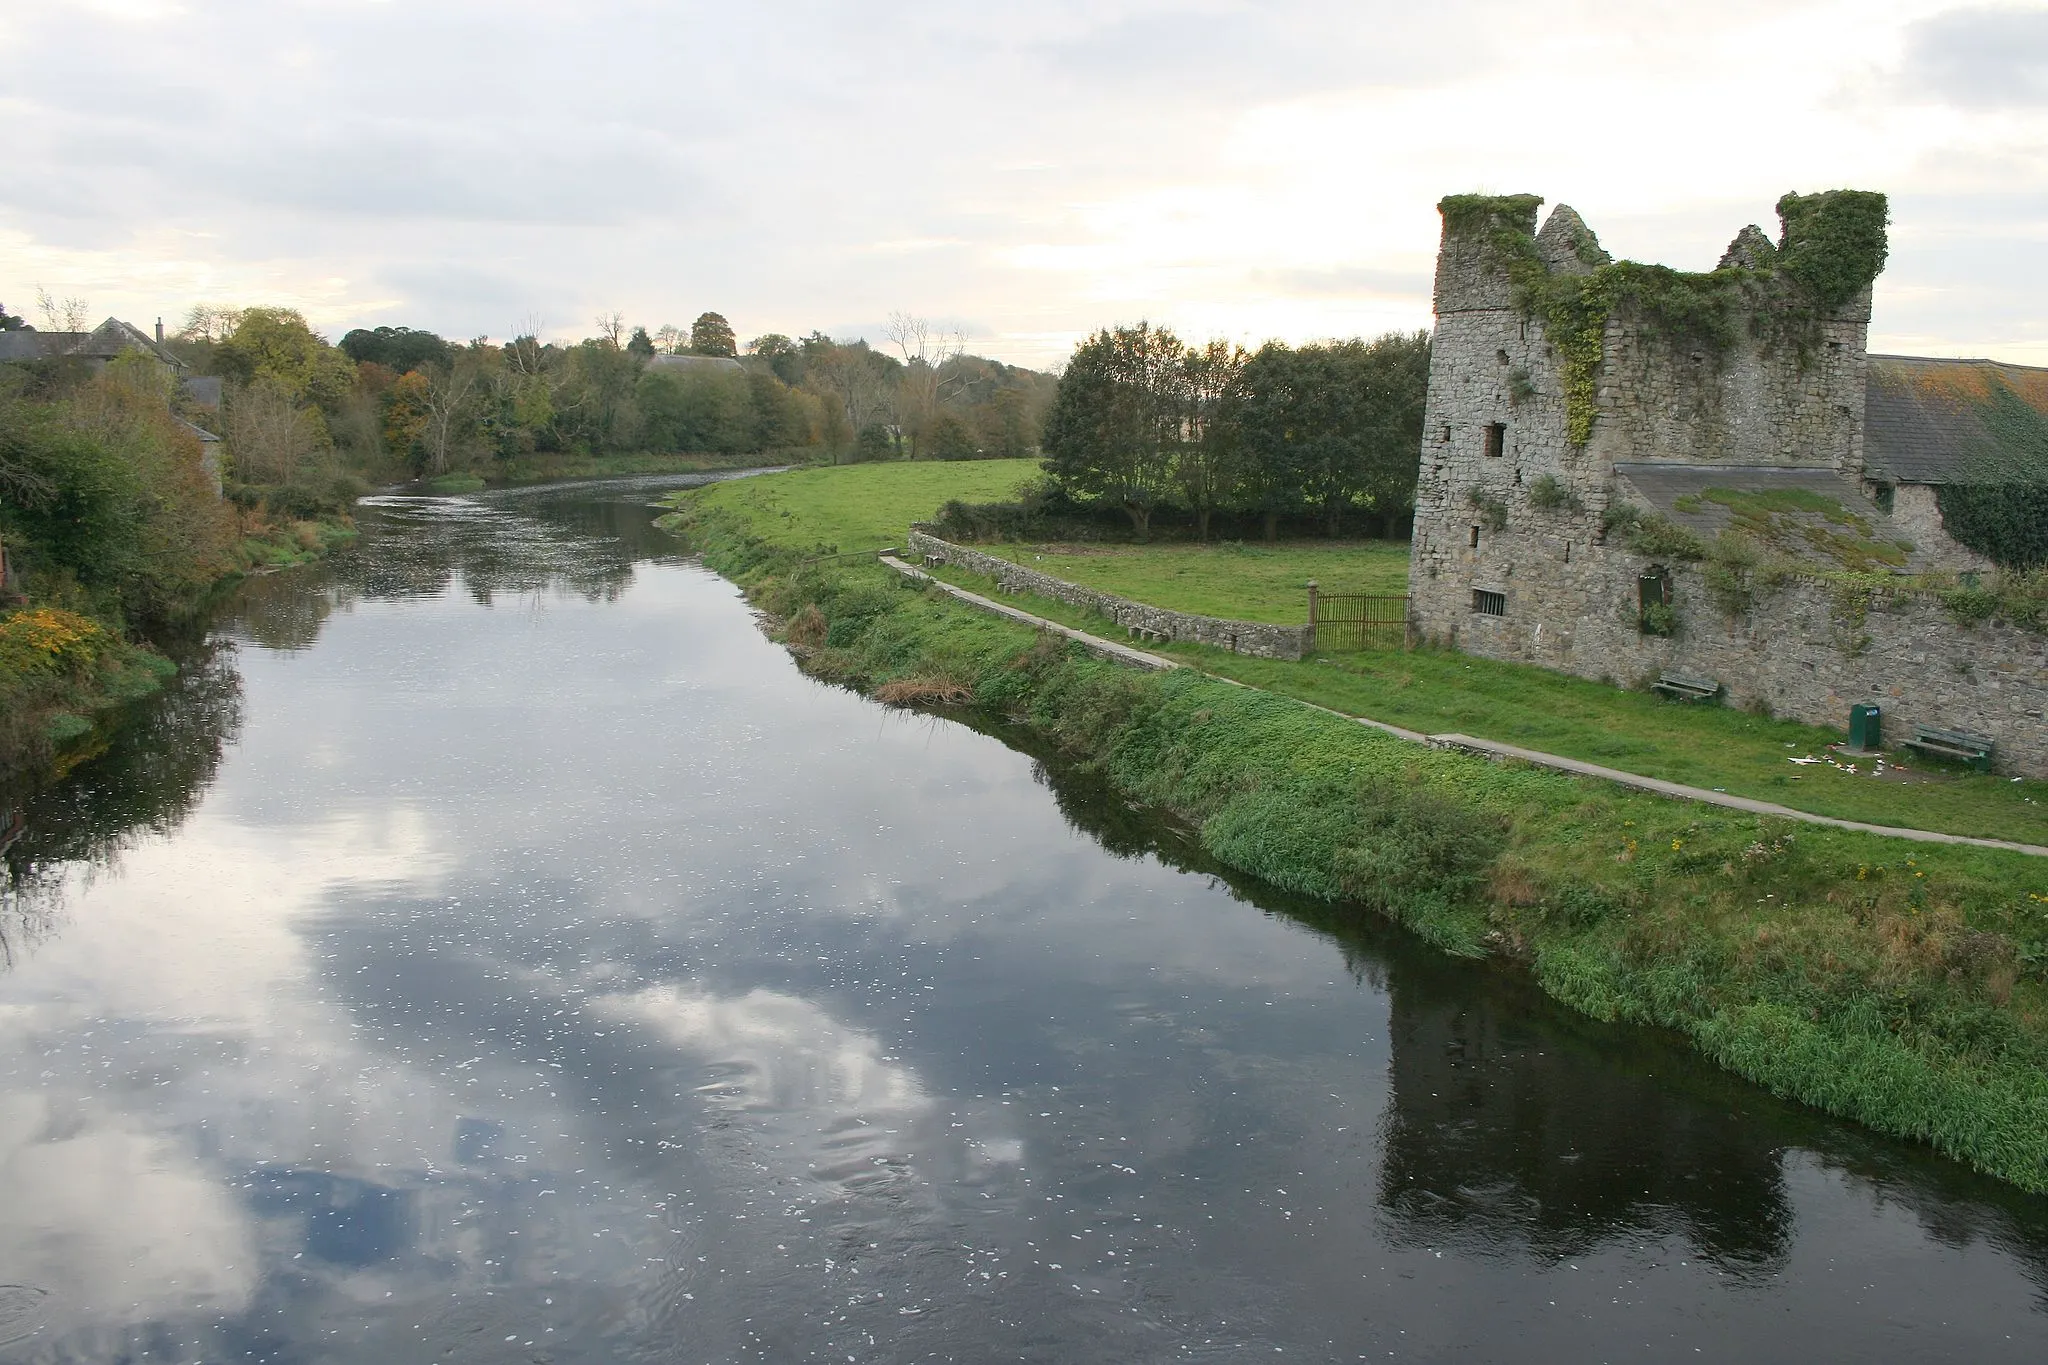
{"x":1486,"y":748}
{"x":1109,"y":649}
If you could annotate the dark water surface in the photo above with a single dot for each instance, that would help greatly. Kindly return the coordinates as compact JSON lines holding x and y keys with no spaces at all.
{"x":497,"y":951}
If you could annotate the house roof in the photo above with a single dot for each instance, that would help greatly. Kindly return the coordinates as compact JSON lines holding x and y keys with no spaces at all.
{"x":29,"y":344}
{"x":1937,"y":421}
{"x":1807,"y":513}
{"x":693,"y":362}
{"x":111,"y":338}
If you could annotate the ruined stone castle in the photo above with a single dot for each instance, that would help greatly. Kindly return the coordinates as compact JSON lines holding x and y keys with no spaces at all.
{"x":1633,"y":474}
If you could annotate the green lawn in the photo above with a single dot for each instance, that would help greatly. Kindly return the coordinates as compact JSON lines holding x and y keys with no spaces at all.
{"x":1435,"y":691}
{"x":862,"y":506}
{"x":1240,"y":581}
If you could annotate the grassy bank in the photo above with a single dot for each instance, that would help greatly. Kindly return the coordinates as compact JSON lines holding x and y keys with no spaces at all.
{"x":67,"y":677}
{"x":1902,"y":986}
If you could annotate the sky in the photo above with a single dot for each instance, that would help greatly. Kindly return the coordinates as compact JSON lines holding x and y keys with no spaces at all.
{"x":1025,"y":173}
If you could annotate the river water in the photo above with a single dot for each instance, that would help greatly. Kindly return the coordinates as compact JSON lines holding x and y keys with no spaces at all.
{"x":495,"y":950}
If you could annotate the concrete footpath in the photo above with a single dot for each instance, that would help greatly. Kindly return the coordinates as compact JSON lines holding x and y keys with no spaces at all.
{"x":1485,"y":748}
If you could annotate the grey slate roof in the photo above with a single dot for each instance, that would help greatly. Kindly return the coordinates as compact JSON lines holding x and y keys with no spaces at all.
{"x":29,"y":344}
{"x":1922,"y":417}
{"x":684,"y":364}
{"x":111,"y":338}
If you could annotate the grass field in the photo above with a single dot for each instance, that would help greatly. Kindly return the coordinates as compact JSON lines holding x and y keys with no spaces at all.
{"x":864,"y":506}
{"x":1238,"y":580}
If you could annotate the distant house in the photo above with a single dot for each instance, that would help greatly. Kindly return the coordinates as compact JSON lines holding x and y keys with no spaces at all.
{"x":109,"y":341}
{"x":695,"y":364}
{"x":103,"y":343}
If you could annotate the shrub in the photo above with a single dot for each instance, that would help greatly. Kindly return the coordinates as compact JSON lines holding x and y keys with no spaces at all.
{"x":1658,"y":538}
{"x":1550,"y":494}
{"x":1492,"y":510}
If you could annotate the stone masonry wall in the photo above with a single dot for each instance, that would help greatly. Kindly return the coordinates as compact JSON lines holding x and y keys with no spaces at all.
{"x":1239,"y":637}
{"x":1800,"y":652}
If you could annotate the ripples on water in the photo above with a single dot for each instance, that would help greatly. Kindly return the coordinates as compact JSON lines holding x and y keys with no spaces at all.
{"x":493,"y":950}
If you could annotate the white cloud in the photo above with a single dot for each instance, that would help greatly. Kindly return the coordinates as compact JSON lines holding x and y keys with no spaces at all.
{"x":1045,"y":171}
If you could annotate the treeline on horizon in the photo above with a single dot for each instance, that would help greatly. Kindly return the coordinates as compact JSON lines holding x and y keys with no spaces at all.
{"x":1145,"y":428}
{"x":302,"y":414}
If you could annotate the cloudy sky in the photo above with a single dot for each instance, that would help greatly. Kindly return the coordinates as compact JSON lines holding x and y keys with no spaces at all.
{"x":1027,"y":172}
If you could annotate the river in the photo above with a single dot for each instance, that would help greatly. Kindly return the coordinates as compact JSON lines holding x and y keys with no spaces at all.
{"x":494,"y":949}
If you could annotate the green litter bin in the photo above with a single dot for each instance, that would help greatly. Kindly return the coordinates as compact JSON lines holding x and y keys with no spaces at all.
{"x":1864,"y":726}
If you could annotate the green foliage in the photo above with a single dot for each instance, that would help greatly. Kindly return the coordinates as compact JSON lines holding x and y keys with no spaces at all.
{"x":949,"y":439}
{"x":1469,"y":214}
{"x":1491,"y":507}
{"x":1999,"y":505}
{"x":874,"y":443}
{"x":1739,"y":573}
{"x":1548,"y":493}
{"x":2019,"y":598}
{"x":711,"y":334}
{"x":1657,"y":537}
{"x":1834,"y":243}
{"x":1658,"y":618}
{"x":397,"y":348}
{"x":1116,"y":419}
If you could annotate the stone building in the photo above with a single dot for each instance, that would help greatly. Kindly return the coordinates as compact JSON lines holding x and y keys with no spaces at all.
{"x":1630,"y":473}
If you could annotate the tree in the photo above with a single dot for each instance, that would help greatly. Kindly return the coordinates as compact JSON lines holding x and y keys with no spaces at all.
{"x":9,"y":322}
{"x":611,"y":328}
{"x":711,"y":334}
{"x":949,"y":438}
{"x":277,"y":344}
{"x":669,"y":339}
{"x":210,"y":322}
{"x":1205,"y":466}
{"x":270,"y":434}
{"x":1116,"y":418}
{"x":68,"y":316}
{"x":396,"y":348}
{"x":859,"y":381}
{"x":925,"y":382}
{"x":640,"y":343}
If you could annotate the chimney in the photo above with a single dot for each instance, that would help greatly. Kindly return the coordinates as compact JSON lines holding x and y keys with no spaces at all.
{"x":159,"y":331}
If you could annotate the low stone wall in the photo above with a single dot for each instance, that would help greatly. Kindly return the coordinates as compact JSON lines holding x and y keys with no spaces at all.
{"x":1147,"y":622}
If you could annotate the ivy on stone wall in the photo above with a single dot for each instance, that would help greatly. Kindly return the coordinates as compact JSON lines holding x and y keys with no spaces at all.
{"x":1833,"y":246}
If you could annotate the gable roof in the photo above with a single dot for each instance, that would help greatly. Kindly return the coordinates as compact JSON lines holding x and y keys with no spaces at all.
{"x":1934,"y":421}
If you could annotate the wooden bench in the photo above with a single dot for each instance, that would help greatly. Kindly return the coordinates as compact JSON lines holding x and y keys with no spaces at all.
{"x":1964,"y":746}
{"x":1687,"y":687}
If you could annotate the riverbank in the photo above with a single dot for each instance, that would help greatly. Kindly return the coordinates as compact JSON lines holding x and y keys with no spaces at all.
{"x":546,"y":469}
{"x":67,"y":678}
{"x":1901,"y":987}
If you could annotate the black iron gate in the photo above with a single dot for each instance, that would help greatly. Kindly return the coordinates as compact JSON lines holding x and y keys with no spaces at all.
{"x":1357,"y":620}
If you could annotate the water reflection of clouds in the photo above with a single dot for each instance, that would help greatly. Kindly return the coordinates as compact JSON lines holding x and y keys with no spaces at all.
{"x":611,"y":960}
